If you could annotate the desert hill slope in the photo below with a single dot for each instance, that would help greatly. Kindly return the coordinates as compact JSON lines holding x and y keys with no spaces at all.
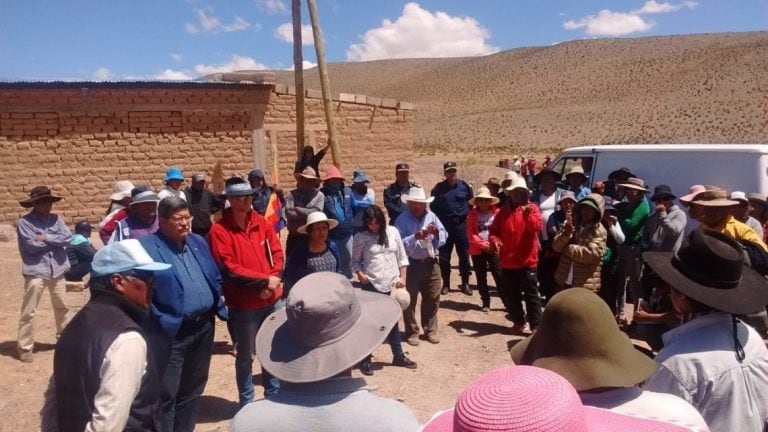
{"x":682,"y":89}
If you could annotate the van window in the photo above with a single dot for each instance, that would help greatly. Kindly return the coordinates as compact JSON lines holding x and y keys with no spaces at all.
{"x":565,"y":164}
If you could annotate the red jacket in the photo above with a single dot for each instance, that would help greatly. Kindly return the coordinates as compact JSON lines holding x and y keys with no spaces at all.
{"x":109,"y":225}
{"x":476,"y":243}
{"x":243,"y":262}
{"x":518,"y":234}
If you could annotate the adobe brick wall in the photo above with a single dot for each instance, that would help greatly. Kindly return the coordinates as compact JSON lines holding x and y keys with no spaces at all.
{"x":79,"y":138}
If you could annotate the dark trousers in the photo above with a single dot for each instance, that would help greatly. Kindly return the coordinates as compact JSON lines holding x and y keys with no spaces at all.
{"x":394,"y":339}
{"x":517,"y":284}
{"x":78,"y":272}
{"x":185,"y":375}
{"x":457,"y":236}
{"x":483,"y":263}
{"x":610,"y":278}
{"x":423,"y":276}
{"x":545,"y":271}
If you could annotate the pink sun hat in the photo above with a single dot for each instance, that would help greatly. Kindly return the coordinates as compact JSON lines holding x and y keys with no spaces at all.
{"x":692,"y":192}
{"x":531,"y":399}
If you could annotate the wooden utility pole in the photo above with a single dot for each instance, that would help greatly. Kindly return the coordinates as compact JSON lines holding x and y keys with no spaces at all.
{"x":298,"y":76}
{"x":325,"y":85}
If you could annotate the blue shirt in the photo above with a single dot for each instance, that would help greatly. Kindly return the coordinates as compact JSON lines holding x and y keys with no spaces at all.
{"x":198,"y":297}
{"x":451,"y":202}
{"x":408,"y":224}
{"x":45,"y":259}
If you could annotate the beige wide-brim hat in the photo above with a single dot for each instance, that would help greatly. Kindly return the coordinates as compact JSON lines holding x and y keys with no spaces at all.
{"x":122,"y":190}
{"x":634,"y":183}
{"x":518,"y":183}
{"x":714,"y":198}
{"x":416,"y":194}
{"x":316,"y":217}
{"x":484,"y":192}
{"x":401,"y":296}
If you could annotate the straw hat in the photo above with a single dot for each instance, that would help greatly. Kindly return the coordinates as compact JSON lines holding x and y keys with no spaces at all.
{"x":714,"y":198}
{"x":309,"y":174}
{"x":692,"y":192}
{"x":634,"y":183}
{"x":316,"y":217}
{"x":484,"y":192}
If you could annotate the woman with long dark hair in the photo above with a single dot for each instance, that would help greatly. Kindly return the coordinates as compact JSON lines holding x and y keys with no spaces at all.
{"x":379,"y":261}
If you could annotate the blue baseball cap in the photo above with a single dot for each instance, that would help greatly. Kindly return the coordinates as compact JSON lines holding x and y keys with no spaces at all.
{"x":360,"y":177}
{"x":174,"y":173}
{"x":118,"y":257}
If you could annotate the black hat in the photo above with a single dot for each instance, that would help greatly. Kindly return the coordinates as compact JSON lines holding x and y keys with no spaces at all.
{"x":449,"y":166}
{"x":545,"y":171}
{"x":39,"y":193}
{"x":622,"y":170}
{"x":661,"y":191}
{"x":83,"y":226}
{"x":402,"y":167}
{"x":711,"y":270}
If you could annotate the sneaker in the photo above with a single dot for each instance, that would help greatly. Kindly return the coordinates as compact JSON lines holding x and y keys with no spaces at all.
{"x":432,"y":338}
{"x":445,"y":290}
{"x":413,"y":340}
{"x":26,"y":357}
{"x":366,"y":367}
{"x":518,"y":329}
{"x":466,"y":289}
{"x":404,"y":361}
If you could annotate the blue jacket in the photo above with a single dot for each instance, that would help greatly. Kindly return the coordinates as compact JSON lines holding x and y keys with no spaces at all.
{"x":338,"y":205}
{"x":451,"y":204}
{"x":296,"y":264}
{"x":168,"y":296}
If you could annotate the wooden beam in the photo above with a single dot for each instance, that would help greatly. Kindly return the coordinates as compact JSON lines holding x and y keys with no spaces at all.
{"x":298,"y":76}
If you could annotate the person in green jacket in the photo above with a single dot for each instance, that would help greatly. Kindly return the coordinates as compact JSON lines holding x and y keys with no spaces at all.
{"x":632,"y":216}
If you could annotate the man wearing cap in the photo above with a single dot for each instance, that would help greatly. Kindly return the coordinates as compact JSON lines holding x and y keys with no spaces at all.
{"x":665,"y":227}
{"x":741,"y":212}
{"x":363,"y":197}
{"x":574,"y":182}
{"x":394,"y":205}
{"x":422,"y":234}
{"x":104,"y":372}
{"x":80,"y":252}
{"x":250,"y":257}
{"x":142,"y":216}
{"x":202,"y":204}
{"x":338,"y":206}
{"x":185,"y":300}
{"x":514,"y":237}
{"x":173,"y":180}
{"x":43,"y":238}
{"x":300,"y":202}
{"x":713,"y":360}
{"x":325,"y":330}
{"x":632,"y":216}
{"x":451,"y":205}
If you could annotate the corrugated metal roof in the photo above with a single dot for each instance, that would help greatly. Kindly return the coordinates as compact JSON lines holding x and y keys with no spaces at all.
{"x":249,"y":78}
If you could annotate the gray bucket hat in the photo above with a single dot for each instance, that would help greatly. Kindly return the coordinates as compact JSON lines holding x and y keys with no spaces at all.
{"x":326,"y":328}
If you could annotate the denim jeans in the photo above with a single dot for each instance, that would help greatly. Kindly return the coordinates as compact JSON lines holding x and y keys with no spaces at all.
{"x":245,"y":325}
{"x":394,"y":338}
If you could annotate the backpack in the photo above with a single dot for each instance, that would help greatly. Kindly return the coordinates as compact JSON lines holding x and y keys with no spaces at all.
{"x":758,"y":257}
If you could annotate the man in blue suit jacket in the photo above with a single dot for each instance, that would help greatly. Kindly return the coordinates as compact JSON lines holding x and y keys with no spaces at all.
{"x":185,"y":300}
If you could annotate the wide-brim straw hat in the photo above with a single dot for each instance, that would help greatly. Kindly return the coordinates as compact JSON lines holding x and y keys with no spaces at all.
{"x":577,"y":170}
{"x":714,"y":198}
{"x":309,"y":174}
{"x":317,"y":217}
{"x":634,"y":183}
{"x":122,"y":191}
{"x":692,"y":192}
{"x":710,"y":269}
{"x":484,"y":192}
{"x":401,"y":296}
{"x":416,"y":194}
{"x":578,"y":338}
{"x":531,"y":399}
{"x":326,"y":328}
{"x":39,"y":193}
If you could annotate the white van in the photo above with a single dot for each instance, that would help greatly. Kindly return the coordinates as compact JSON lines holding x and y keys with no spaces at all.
{"x":742,"y":167}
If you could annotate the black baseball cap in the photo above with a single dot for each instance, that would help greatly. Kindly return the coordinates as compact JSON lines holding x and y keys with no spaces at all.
{"x":449,"y":166}
{"x":402,"y":167}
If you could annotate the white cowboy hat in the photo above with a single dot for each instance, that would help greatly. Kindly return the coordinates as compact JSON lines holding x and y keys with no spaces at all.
{"x":518,"y":183}
{"x":316,"y":217}
{"x":416,"y":194}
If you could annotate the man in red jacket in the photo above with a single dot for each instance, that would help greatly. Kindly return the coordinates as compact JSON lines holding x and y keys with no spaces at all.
{"x":514,"y":237}
{"x":250,"y":259}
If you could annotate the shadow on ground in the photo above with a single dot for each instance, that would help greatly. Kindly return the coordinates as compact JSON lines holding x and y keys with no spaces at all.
{"x":8,"y":348}
{"x":478,"y":329}
{"x":213,"y":409}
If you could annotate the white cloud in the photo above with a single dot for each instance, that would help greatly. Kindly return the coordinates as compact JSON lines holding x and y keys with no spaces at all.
{"x":177,"y":57}
{"x":274,"y":6}
{"x":689,"y":4}
{"x":418,"y":33}
{"x":608,"y":23}
{"x":102,"y":74}
{"x":209,"y":23}
{"x":652,"y":7}
{"x":285,"y":33}
{"x":174,"y":75}
{"x":236,"y":62}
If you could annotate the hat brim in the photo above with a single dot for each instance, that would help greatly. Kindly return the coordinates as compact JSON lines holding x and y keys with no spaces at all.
{"x":510,"y":188}
{"x":406,"y":199}
{"x":245,"y":192}
{"x":722,"y":202}
{"x":632,"y":186}
{"x":657,"y":197}
{"x":153,"y":267}
{"x":542,"y":173}
{"x":494,"y":200}
{"x":174,"y":179}
{"x":361,"y":180}
{"x":332,"y":223}
{"x":308,"y":177}
{"x":613,"y":174}
{"x":281,"y":354}
{"x":119,"y":196}
{"x":30,"y":202}
{"x":750,"y":295}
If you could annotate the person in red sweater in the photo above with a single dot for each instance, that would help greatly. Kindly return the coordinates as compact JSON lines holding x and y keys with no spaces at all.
{"x":478,"y":223}
{"x":514,"y":237}
{"x":250,"y":259}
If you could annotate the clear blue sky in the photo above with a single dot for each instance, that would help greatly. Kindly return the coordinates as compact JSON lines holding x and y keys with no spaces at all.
{"x":183,"y":39}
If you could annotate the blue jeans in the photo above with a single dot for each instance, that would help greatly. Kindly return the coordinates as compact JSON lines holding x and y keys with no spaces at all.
{"x":394,"y":338}
{"x":344,"y":244}
{"x":245,"y":325}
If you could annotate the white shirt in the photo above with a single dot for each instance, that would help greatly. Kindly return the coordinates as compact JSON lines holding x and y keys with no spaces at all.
{"x":547,"y":205}
{"x":169,"y":191}
{"x":698,"y":363}
{"x":381,"y":264}
{"x":124,"y":365}
{"x":635,"y":402}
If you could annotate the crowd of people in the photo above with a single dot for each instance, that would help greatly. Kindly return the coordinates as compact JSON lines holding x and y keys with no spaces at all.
{"x":565,"y":259}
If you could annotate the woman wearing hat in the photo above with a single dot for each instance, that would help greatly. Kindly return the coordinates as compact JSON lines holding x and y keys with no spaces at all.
{"x":581,"y":244}
{"x":479,"y":222}
{"x":314,"y":252}
{"x":575,"y":180}
{"x":380,"y":263}
{"x":713,"y":359}
{"x":632,"y":216}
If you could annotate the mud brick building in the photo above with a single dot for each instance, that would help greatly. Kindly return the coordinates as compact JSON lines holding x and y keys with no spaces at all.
{"x":80,"y":137}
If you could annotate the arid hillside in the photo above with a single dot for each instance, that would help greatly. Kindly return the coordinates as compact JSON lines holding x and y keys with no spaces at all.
{"x":682,"y":89}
